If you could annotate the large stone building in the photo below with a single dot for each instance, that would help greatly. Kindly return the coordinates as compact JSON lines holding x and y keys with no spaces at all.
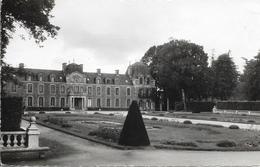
{"x":73,"y":89}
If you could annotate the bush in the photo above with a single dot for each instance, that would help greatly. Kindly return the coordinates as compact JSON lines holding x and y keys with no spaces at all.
{"x":112,"y":134}
{"x":239,"y":105}
{"x":233,"y":127}
{"x":111,"y":114}
{"x":187,"y":122}
{"x":47,"y":108}
{"x":66,"y":125}
{"x":186,"y":144}
{"x":42,"y":112}
{"x":67,"y":112}
{"x":213,"y":119}
{"x":197,"y":107}
{"x":154,"y":119}
{"x":161,"y":114}
{"x":251,"y":121}
{"x":226,"y":143}
{"x":12,"y":110}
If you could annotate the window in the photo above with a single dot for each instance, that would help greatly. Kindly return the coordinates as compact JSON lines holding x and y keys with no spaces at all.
{"x":52,"y":89}
{"x":41,"y":88}
{"x":128,"y":102}
{"x":76,"y":89}
{"x":117,"y":91}
{"x":108,"y":81}
{"x":40,"y":101}
{"x":148,"y":81}
{"x":62,"y":89}
{"x":52,"y":78}
{"x":13,"y":88}
{"x":108,"y":102}
{"x":29,"y":101}
{"x":108,"y":91}
{"x":89,"y":102}
{"x":29,"y":78}
{"x":89,"y":90}
{"x":40,"y":77}
{"x":52,"y":101}
{"x":140,"y":80}
{"x":98,"y":91}
{"x":98,"y":81}
{"x":82,"y":89}
{"x":30,"y":88}
{"x":117,"y":102}
{"x":98,"y":103}
{"x":128,"y":91}
{"x":62,"y":102}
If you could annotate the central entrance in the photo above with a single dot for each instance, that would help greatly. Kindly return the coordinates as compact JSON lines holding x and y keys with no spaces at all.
{"x":78,"y":103}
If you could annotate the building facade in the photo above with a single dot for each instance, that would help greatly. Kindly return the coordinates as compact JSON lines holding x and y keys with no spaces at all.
{"x":74,"y":89}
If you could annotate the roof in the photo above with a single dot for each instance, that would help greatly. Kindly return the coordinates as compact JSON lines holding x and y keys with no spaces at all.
{"x":60,"y":76}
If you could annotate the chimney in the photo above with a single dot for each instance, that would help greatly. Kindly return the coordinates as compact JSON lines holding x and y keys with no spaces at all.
{"x":21,"y":65}
{"x":99,"y":71}
{"x":117,"y":72}
{"x":64,"y":66}
{"x":81,"y":67}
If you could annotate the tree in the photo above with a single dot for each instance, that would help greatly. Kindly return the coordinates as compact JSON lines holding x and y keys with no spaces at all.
{"x":33,"y":15}
{"x":178,"y":65}
{"x":225,"y":77}
{"x":251,"y":79}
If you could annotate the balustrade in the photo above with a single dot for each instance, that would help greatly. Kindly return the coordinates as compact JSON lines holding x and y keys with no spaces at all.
{"x":13,"y":139}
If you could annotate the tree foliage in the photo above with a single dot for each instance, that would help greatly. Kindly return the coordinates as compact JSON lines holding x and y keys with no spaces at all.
{"x":177,"y":65}
{"x":251,"y":79}
{"x":225,"y":77}
{"x":33,"y":15}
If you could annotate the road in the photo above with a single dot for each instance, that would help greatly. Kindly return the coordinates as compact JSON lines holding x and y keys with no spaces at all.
{"x":68,"y":150}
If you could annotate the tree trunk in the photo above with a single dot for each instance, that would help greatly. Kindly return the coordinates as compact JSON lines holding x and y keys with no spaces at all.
{"x":183,"y":99}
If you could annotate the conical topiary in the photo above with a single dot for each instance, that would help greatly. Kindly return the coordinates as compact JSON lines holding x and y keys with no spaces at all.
{"x":134,"y":132}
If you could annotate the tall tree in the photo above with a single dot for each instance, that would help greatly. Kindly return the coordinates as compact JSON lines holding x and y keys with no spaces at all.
{"x":178,"y":65}
{"x":225,"y":77}
{"x":33,"y":15}
{"x":251,"y":79}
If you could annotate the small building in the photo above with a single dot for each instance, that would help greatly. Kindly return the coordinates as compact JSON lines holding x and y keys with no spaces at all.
{"x":74,"y":89}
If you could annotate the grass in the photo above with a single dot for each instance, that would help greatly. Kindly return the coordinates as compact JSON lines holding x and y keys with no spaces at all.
{"x":166,"y":133}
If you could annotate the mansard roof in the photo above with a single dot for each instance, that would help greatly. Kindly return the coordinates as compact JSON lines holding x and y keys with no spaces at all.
{"x":60,"y":76}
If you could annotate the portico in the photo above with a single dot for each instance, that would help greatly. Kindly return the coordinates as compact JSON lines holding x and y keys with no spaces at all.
{"x":77,"y":102}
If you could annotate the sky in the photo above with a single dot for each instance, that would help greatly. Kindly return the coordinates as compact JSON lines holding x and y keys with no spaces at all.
{"x":111,"y":34}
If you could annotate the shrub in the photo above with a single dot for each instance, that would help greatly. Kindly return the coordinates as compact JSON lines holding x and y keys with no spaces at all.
{"x":66,"y":125}
{"x":67,"y":112}
{"x":161,"y":114}
{"x":154,"y":119}
{"x":214,"y":119}
{"x":47,"y":108}
{"x":251,"y":121}
{"x":226,"y":143}
{"x":12,"y":109}
{"x":111,"y":114}
{"x":96,"y":113}
{"x":42,"y":112}
{"x":186,"y":144}
{"x":233,"y":127}
{"x":179,"y":106}
{"x":112,"y":134}
{"x":187,"y":122}
{"x":197,"y":107}
{"x":239,"y":105}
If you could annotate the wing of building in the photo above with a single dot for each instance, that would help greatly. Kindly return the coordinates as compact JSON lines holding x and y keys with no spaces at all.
{"x":72,"y":88}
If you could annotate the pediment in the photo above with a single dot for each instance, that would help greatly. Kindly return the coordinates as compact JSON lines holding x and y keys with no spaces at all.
{"x":75,"y":77}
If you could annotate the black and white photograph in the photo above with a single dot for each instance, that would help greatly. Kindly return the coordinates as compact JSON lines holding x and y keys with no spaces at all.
{"x":131,"y":83}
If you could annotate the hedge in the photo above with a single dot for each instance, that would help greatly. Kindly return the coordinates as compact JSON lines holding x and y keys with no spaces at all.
{"x":195,"y":107}
{"x":47,"y":108}
{"x":239,"y":105}
{"x":12,"y":110}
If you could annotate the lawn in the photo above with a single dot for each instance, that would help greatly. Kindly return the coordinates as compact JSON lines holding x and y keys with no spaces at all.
{"x":237,"y":118}
{"x":162,"y":134}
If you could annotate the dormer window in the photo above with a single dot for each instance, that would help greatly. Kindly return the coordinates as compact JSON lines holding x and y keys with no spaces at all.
{"x":148,"y":81}
{"x":52,"y":78}
{"x":98,"y":81}
{"x":140,"y":80}
{"x":40,"y":77}
{"x":108,"y":81}
{"x":29,"y":78}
